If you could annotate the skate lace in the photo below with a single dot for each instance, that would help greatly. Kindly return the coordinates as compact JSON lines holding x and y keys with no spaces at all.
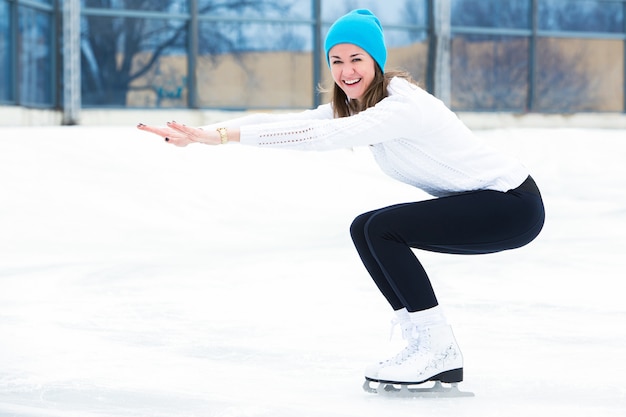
{"x":417,"y":346}
{"x":406,"y":353}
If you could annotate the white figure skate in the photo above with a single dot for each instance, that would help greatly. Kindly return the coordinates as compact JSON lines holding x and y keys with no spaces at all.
{"x":432,"y":355}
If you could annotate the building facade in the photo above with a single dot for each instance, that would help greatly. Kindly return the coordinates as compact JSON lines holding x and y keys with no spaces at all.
{"x":518,"y":56}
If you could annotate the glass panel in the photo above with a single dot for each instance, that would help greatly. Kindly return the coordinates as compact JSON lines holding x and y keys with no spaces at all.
{"x":408,"y":51}
{"x":581,"y":15}
{"x":171,"y":6}
{"x":255,"y":65}
{"x":134,"y":62}
{"x":35,"y":57}
{"x":6,"y":67}
{"x":262,"y":9}
{"x":42,"y":2}
{"x":576,"y":75}
{"x":512,"y":14}
{"x":390,"y":12}
{"x":242,"y":37}
{"x":489,"y":73}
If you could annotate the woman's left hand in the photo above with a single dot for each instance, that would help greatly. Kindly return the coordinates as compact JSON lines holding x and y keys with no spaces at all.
{"x":181,"y":135}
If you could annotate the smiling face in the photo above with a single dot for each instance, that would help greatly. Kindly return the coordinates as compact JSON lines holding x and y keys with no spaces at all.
{"x":353,"y":69}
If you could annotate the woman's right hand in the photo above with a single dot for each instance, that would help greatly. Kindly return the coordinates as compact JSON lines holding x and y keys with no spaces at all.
{"x":176,"y":134}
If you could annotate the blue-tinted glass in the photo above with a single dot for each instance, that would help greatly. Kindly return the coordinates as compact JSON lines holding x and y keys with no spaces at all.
{"x":579,"y":75}
{"x":511,"y":14}
{"x":262,"y":9}
{"x":489,"y":72}
{"x":409,"y":52}
{"x":581,"y":15}
{"x":134,"y":61}
{"x":390,"y":12}
{"x":6,"y":76}
{"x":258,"y":65}
{"x":35,"y":82}
{"x":226,"y":37}
{"x":170,"y":6}
{"x":395,"y":38}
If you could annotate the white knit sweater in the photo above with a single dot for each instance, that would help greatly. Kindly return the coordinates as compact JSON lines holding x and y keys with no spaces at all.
{"x":414,"y":137}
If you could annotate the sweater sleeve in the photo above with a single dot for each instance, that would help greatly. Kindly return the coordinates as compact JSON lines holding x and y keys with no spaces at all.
{"x":383,"y":122}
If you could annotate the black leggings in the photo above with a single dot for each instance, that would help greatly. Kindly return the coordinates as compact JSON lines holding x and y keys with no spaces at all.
{"x":475,"y":222}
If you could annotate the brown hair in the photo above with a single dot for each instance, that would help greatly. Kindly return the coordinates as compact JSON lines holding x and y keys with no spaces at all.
{"x":377,"y":90}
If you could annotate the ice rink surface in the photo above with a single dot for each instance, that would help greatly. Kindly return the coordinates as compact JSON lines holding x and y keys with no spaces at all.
{"x":140,"y":279}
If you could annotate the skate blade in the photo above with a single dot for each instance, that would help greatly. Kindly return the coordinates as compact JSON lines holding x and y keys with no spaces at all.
{"x":416,"y":391}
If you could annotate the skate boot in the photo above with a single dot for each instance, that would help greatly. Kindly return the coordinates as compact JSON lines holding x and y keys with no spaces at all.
{"x":409,"y":324}
{"x":435,"y":357}
{"x":432,"y":354}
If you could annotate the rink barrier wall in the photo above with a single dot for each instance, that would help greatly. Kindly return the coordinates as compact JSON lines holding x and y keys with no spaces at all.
{"x":21,"y":116}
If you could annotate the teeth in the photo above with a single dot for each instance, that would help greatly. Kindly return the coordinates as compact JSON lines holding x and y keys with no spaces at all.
{"x":352,"y":81}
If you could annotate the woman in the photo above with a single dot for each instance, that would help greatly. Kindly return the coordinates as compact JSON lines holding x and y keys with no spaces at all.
{"x":485,"y":201}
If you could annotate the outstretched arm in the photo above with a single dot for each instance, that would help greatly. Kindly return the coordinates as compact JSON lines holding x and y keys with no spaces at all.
{"x":181,"y":135}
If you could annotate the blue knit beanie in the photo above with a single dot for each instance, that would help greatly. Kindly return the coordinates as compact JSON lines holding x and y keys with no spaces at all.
{"x":361,"y":28}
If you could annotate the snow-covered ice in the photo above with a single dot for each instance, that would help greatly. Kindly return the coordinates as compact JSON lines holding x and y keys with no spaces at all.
{"x":140,"y":279}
